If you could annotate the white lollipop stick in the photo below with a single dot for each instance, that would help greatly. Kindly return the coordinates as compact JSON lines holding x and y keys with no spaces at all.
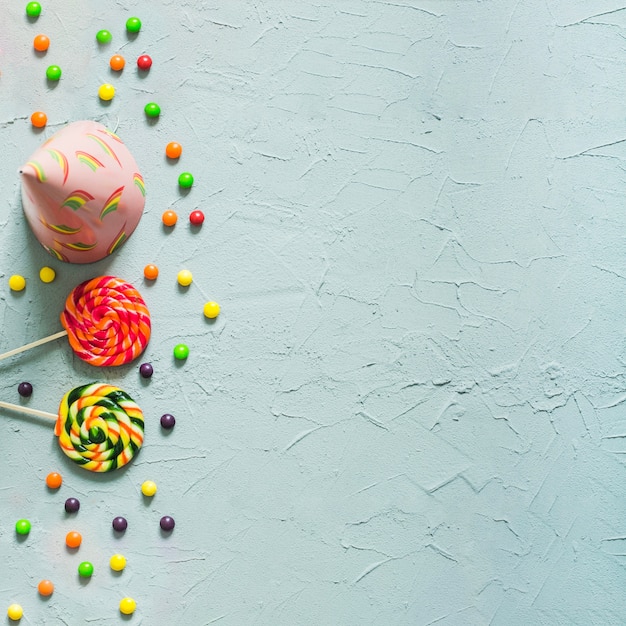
{"x":33,"y":344}
{"x":27,"y":410}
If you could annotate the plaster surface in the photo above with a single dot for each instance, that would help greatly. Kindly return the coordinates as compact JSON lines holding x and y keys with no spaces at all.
{"x":411,"y":409}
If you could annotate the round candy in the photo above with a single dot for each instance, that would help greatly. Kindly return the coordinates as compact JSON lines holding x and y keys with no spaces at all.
{"x":38,"y":119}
{"x":47,"y":274}
{"x":17,"y":282}
{"x":41,"y":43}
{"x":22,"y":527}
{"x":148,"y":488}
{"x":107,"y":321}
{"x":33,"y":9}
{"x":15,"y":611}
{"x":167,"y":523}
{"x":146,"y":370}
{"x":144,"y":62}
{"x":25,"y":390}
{"x":133,"y":24}
{"x":117,"y":62}
{"x":72,"y":505}
{"x":211,"y":310}
{"x":169,"y":218}
{"x":152,"y":109}
{"x":181,"y":351}
{"x":73,"y":539}
{"x":168,"y":421}
{"x":173,"y":150}
{"x":120,"y":524}
{"x":184,"y":278}
{"x":127,"y":606}
{"x":99,"y":427}
{"x":54,"y":480}
{"x":151,"y":271}
{"x":53,"y":72}
{"x":196,"y":218}
{"x":106,"y":92}
{"x":117,"y":562}
{"x":185,"y":180}
{"x":45,"y":588}
{"x":85,"y":569}
{"x":104,"y":36}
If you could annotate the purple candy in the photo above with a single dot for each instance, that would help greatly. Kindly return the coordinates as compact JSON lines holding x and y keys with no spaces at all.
{"x":146,"y":370}
{"x":167,"y":421}
{"x":72,"y":505}
{"x":167,"y":523}
{"x":120,"y":524}
{"x":25,"y":389}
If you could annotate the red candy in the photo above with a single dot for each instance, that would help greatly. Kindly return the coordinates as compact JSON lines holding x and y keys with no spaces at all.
{"x":144,"y":62}
{"x":196,"y":217}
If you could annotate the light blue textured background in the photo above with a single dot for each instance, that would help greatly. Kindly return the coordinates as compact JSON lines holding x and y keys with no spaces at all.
{"x":411,"y":410}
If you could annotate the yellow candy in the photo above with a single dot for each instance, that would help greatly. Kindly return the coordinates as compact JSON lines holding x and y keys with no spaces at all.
{"x":127,"y":606}
{"x":184,"y":278}
{"x":106,"y":92}
{"x":17,"y":282}
{"x":117,"y":562}
{"x":211,"y":310}
{"x":148,"y":488}
{"x":47,"y":274}
{"x":15,"y":612}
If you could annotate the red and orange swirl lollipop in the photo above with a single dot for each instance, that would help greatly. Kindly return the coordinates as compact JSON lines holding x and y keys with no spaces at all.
{"x":106,"y":322}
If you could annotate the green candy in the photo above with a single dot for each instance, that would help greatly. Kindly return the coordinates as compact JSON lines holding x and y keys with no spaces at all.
{"x":152,"y":109}
{"x":85,"y":569}
{"x":33,"y":9}
{"x":22,"y":527}
{"x":181,"y":351}
{"x":53,"y":72}
{"x":103,"y":36}
{"x":185,"y":180}
{"x":133,"y":24}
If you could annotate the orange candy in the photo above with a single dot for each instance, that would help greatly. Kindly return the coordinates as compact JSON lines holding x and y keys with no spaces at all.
{"x":54,"y":480}
{"x":38,"y":119}
{"x":117,"y":62}
{"x":41,"y":43}
{"x":151,"y":271}
{"x":173,"y":150}
{"x":73,"y":539}
{"x":169,"y":218}
{"x":45,"y":588}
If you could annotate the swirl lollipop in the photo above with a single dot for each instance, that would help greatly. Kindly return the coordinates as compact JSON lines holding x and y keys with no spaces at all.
{"x":106,"y":322}
{"x":99,"y":426}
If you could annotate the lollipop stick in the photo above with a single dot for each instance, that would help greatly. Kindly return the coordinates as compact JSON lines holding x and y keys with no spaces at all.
{"x":33,"y":344}
{"x":27,"y":410}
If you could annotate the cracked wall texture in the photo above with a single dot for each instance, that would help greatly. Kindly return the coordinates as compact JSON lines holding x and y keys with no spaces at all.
{"x":411,"y":410}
